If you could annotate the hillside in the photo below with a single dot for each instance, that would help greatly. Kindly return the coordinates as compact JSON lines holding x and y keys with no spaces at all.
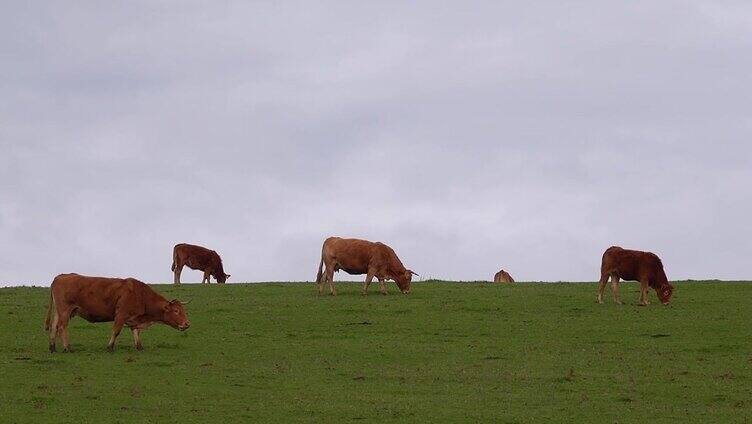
{"x":447,"y":352}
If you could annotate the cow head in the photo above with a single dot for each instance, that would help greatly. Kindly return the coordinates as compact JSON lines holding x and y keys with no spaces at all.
{"x":664,"y":293}
{"x":221,"y":279}
{"x":403,"y":280}
{"x":174,"y":315}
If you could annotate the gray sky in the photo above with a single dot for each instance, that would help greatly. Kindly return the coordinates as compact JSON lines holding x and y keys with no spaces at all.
{"x":524,"y":135}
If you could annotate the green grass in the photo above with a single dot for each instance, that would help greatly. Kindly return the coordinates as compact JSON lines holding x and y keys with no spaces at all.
{"x":447,"y":352}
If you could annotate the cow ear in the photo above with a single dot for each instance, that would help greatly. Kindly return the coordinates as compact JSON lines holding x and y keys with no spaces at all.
{"x":227,"y":275}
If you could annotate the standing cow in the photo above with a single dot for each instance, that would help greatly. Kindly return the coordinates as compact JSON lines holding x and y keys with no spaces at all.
{"x":644,"y":267}
{"x":359,"y":257}
{"x":96,"y":299}
{"x":503,"y":277}
{"x":199,"y":258}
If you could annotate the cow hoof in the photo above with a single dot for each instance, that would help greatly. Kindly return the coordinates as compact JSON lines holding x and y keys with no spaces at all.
{"x":67,"y":350}
{"x":599,"y":301}
{"x":139,"y":348}
{"x":111,"y":349}
{"x":384,"y":293}
{"x":53,"y":349}
{"x":364,"y":293}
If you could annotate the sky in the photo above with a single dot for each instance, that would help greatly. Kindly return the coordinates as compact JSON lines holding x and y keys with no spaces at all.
{"x":469,"y":136}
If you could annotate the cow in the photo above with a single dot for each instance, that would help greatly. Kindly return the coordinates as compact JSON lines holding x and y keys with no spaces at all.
{"x":503,"y":277}
{"x":645,"y":267}
{"x":200,"y":258}
{"x":126,"y":301}
{"x":358,"y":257}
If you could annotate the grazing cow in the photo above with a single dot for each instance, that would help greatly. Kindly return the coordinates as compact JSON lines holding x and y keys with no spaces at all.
{"x":503,"y":277}
{"x":359,"y":257}
{"x":644,"y":267}
{"x":200,"y":258}
{"x":97,"y":299}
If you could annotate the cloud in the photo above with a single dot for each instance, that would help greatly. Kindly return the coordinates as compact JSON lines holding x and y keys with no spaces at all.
{"x":529,"y":137}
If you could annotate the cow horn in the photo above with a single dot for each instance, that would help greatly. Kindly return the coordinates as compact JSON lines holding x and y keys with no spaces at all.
{"x":413,"y":272}
{"x":182,"y":302}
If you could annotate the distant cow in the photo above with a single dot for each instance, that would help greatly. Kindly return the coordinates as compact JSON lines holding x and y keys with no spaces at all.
{"x":359,"y":257}
{"x":200,"y":258}
{"x":97,"y":299}
{"x":503,"y":277}
{"x":644,"y":267}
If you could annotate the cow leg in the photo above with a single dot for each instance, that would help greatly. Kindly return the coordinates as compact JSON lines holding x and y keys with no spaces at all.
{"x":64,"y":338}
{"x":53,"y":332}
{"x":321,"y":281}
{"x":644,"y":292}
{"x":207,"y":277}
{"x":330,"y":279}
{"x":63,"y":317}
{"x":369,"y":278}
{"x":116,"y":327}
{"x":615,"y":288}
{"x":382,"y":282}
{"x":601,"y":287}
{"x":137,"y":338}
{"x":178,"y":271}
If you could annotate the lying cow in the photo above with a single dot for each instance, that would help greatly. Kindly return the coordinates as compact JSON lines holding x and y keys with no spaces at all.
{"x":644,"y":267}
{"x":200,"y":258}
{"x":357,"y":257}
{"x":97,"y":299}
{"x":503,"y":277}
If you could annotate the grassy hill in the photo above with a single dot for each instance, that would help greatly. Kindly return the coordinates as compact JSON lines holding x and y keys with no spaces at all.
{"x":447,"y":352}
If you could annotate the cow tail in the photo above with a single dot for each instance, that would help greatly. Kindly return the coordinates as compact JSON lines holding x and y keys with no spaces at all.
{"x":49,"y":313}
{"x":321,"y":267}
{"x":174,"y":258}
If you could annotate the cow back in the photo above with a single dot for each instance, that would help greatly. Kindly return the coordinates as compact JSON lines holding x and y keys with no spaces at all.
{"x":97,"y":299}
{"x":630,"y":264}
{"x":199,"y":257}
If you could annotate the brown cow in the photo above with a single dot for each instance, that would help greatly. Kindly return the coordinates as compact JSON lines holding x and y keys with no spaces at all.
{"x":503,"y":277}
{"x":357,"y":257}
{"x":200,"y":258}
{"x":644,"y":267}
{"x":98,"y":299}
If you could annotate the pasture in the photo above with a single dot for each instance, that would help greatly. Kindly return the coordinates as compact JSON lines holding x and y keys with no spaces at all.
{"x":448,"y":352}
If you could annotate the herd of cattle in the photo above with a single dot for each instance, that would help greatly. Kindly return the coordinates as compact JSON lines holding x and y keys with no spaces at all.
{"x":129,"y":302}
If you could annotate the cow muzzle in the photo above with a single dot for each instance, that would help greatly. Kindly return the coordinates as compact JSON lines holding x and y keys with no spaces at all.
{"x":184,"y":326}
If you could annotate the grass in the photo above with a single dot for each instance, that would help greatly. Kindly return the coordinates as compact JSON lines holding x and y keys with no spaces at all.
{"x":447,"y":352}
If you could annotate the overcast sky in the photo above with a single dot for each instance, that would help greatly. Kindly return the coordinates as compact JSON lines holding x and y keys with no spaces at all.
{"x":468,"y":136}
